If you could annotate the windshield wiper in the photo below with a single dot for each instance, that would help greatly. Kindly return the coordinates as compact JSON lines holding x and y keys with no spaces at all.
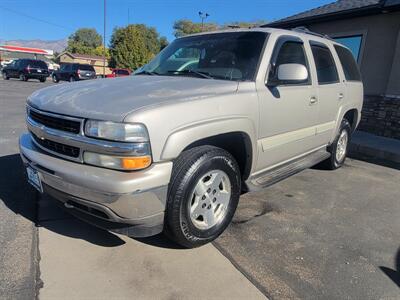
{"x":147,"y":73}
{"x":198,"y":73}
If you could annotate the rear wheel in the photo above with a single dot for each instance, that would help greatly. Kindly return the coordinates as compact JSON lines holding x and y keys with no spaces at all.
{"x":42,"y":79}
{"x":23,"y":77}
{"x":72,"y":79}
{"x":203,"y":195}
{"x":5,"y":76}
{"x":339,"y":147}
{"x":55,"y":79}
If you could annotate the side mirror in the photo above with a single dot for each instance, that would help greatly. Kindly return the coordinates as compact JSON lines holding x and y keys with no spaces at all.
{"x":292,"y":73}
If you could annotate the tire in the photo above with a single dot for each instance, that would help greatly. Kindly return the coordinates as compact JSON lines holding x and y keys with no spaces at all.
{"x":215,"y":175}
{"x":55,"y":79}
{"x":5,"y":77}
{"x":42,"y":79}
{"x":72,"y":79}
{"x":22,"y":77}
{"x":338,"y":153}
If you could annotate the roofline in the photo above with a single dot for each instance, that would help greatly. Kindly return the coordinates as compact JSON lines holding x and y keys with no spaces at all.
{"x":77,"y":55}
{"x":339,"y":15}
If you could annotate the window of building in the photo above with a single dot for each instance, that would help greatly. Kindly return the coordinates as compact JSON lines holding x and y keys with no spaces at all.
{"x":349,"y":65}
{"x":325,"y":65}
{"x":353,"y":43}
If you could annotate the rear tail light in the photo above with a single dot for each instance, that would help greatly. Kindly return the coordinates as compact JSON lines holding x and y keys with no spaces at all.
{"x":78,"y":72}
{"x":28,"y":69}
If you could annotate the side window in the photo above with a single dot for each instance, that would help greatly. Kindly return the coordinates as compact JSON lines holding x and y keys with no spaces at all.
{"x":325,"y":65}
{"x":349,"y":65}
{"x":290,"y":52}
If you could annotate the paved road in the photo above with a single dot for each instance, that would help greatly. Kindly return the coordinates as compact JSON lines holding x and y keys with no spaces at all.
{"x":18,"y":235}
{"x":322,"y":235}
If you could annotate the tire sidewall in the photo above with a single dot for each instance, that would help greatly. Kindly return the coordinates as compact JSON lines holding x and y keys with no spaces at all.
{"x":206,"y":165}
{"x":54,"y":77}
{"x":345,"y":125}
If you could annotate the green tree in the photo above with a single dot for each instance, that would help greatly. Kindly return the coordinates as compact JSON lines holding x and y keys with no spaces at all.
{"x":185,"y":27}
{"x":128,"y":48}
{"x":84,"y":41}
{"x":163,"y":42}
{"x":134,"y":45}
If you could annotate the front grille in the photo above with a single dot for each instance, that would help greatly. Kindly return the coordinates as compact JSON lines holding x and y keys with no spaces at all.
{"x":63,"y":149}
{"x":54,"y":122}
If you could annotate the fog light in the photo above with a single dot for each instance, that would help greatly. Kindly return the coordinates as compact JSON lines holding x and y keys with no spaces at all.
{"x":117,"y":162}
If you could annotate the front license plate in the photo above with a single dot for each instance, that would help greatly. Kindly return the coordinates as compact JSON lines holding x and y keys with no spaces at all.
{"x":39,"y":71}
{"x":34,"y":179}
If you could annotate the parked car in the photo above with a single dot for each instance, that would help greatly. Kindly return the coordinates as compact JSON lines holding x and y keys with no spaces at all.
{"x":119,"y":73}
{"x":74,"y":72}
{"x":26,"y":69}
{"x":172,"y":148}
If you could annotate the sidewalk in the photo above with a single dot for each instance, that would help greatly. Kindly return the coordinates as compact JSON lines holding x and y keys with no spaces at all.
{"x":79,"y":261}
{"x":376,"y":149}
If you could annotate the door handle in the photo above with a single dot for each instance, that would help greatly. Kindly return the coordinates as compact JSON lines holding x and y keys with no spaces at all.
{"x":341,"y":96}
{"x":313,"y":100}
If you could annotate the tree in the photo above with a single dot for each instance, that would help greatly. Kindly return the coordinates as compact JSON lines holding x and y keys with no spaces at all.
{"x":134,"y":45}
{"x":163,"y":42}
{"x":128,"y":48}
{"x":185,"y":27}
{"x":84,"y":41}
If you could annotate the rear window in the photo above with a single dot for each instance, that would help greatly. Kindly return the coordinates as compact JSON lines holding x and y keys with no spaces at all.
{"x":326,"y":68}
{"x":86,"y":68}
{"x":349,"y":65}
{"x":37,"y":64}
{"x":122,"y":72}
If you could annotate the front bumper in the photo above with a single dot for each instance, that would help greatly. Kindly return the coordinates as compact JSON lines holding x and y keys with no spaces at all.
{"x":131,"y":203}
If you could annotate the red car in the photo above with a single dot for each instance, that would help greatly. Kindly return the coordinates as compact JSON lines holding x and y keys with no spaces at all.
{"x":119,"y":73}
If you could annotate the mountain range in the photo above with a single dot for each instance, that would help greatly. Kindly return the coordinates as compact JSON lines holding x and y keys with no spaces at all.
{"x":56,"y":45}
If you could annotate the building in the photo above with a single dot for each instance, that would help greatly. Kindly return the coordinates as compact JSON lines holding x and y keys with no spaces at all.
{"x":96,"y":61}
{"x":11,"y":52}
{"x":371,"y":29}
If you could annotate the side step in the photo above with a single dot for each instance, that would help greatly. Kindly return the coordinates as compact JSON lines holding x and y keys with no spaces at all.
{"x":279,"y":173}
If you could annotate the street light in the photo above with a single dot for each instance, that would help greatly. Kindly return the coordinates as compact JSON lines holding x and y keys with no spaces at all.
{"x":203,"y":16}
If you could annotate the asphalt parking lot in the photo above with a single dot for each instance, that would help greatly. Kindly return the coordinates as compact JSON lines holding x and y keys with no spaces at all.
{"x":319,"y":234}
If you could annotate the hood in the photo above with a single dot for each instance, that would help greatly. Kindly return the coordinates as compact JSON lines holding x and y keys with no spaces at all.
{"x":113,"y":99}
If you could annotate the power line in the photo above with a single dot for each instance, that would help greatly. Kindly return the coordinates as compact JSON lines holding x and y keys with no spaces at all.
{"x":36,"y":19}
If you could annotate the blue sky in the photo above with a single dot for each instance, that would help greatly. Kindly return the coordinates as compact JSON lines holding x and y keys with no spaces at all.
{"x":65,"y":16}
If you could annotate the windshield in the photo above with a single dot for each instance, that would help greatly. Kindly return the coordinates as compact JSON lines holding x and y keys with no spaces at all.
{"x":86,"y":68}
{"x":229,"y":56}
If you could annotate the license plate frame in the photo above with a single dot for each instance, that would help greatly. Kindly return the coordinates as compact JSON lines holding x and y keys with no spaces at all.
{"x":34,"y":178}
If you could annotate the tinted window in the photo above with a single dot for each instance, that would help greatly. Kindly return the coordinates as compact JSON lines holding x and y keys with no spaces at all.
{"x":353,"y":43}
{"x":86,"y":68}
{"x":289,"y":53}
{"x":326,"y":68}
{"x":38,"y":64}
{"x":122,"y":72}
{"x":349,"y":65}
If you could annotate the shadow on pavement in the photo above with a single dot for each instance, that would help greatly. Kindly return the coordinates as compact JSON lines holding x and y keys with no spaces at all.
{"x":45,"y":212}
{"x":19,"y":197}
{"x":393,"y":274}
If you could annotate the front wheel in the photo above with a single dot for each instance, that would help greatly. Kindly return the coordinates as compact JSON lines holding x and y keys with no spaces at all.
{"x":339,"y":147}
{"x":22,"y":77}
{"x":55,"y":79}
{"x":203,"y":195}
{"x":5,"y":76}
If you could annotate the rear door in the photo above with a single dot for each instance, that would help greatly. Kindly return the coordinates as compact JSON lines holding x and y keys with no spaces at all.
{"x":331,"y":90}
{"x":288,"y":112}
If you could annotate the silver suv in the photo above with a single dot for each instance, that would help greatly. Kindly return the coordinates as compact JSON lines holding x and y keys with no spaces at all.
{"x":213,"y":116}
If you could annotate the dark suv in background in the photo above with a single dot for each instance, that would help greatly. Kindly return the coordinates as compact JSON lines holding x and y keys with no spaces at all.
{"x":74,"y":72}
{"x":25,"y":69}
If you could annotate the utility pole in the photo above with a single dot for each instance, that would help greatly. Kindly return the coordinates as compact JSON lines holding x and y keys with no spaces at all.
{"x":203,"y":16}
{"x":104,"y":41}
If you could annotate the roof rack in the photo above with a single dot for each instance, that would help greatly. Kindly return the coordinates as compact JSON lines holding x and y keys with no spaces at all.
{"x":304,"y":29}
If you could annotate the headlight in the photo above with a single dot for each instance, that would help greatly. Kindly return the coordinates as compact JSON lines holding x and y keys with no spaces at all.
{"x":117,"y":162}
{"x":123,"y":132}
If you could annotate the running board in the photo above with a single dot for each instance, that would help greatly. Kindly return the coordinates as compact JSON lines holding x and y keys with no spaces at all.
{"x":279,"y":173}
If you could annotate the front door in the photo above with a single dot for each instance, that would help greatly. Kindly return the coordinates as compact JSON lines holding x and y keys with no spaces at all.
{"x":288,"y":112}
